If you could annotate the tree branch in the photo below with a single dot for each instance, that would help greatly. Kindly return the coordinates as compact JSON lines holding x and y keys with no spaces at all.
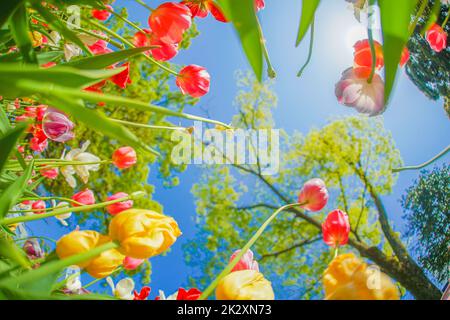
{"x":295,"y":246}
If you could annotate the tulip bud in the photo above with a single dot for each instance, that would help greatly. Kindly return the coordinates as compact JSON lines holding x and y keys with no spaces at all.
{"x":85,"y":197}
{"x":117,"y":207}
{"x":169,"y":21}
{"x":78,"y":242}
{"x":437,"y":38}
{"x":33,"y":249}
{"x":131,"y":263}
{"x":246,"y":262}
{"x":194,"y":81}
{"x":124,"y":157}
{"x":57,"y":126}
{"x":336,"y":228}
{"x":349,"y":278}
{"x":143,"y":233}
{"x":244,"y":285}
{"x":39,"y":206}
{"x":314,"y":195}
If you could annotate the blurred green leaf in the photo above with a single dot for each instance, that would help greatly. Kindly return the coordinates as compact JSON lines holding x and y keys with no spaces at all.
{"x":395,"y":19}
{"x":20,"y":31}
{"x":98,"y":121}
{"x":434,"y":15}
{"x":11,"y":195}
{"x":7,"y":9}
{"x":42,"y":57}
{"x":8,"y":142}
{"x":9,"y":250}
{"x":242,"y":14}
{"x":14,"y":73}
{"x":308,"y":10}
{"x":60,"y":26}
{"x":105,"y":60}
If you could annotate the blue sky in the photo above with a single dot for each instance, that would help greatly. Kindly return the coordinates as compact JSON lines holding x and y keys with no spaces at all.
{"x":419,"y":126}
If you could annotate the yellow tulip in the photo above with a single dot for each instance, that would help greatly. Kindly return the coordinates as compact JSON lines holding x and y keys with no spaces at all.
{"x":349,"y":278}
{"x":105,"y":264}
{"x":143,"y":233}
{"x":78,"y":242}
{"x":36,"y":38}
{"x":244,"y":285}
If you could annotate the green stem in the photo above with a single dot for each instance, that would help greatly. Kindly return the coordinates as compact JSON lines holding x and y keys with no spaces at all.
{"x":311,"y":45}
{"x":57,"y":265}
{"x":446,"y":19}
{"x":36,"y":237}
{"x":336,"y":252}
{"x":423,"y":165}
{"x":51,"y":198}
{"x":144,"y":5}
{"x":57,"y":212}
{"x":147,"y":126}
{"x":248,"y":245}
{"x":372,"y":47}
{"x":270,"y":70}
{"x":420,"y":12}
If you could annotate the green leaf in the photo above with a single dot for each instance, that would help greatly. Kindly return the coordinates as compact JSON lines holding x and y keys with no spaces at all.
{"x":395,"y":19}
{"x":7,"y":8}
{"x":308,"y":10}
{"x":10,"y":251}
{"x":242,"y":14}
{"x":105,"y":60}
{"x":11,"y":195}
{"x":4,"y":123}
{"x":14,"y":73}
{"x":96,"y":120}
{"x":20,"y":31}
{"x":42,"y":57}
{"x":8,"y":143}
{"x":60,"y":26}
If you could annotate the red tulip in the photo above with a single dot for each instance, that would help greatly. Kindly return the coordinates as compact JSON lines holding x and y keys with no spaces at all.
{"x":117,"y":207}
{"x":313,"y":195}
{"x":336,"y":228}
{"x":85,"y":197}
{"x":259,"y":4}
{"x":100,"y":47}
{"x":405,"y":57}
{"x":131,"y":263}
{"x":39,"y":206}
{"x":193,"y":80}
{"x":362,"y":65}
{"x":437,"y":38}
{"x":143,"y":294}
{"x":246,"y":262}
{"x":164,"y":52}
{"x":216,"y":12}
{"x":199,"y":8}
{"x":123,"y":78}
{"x":169,"y":21}
{"x":102,"y":15}
{"x":191,"y":294}
{"x":50,"y":173}
{"x":124,"y":157}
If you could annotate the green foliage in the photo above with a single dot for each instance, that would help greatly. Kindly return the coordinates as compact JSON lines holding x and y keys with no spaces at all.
{"x":308,"y":10}
{"x":427,"y":209}
{"x":348,"y":154}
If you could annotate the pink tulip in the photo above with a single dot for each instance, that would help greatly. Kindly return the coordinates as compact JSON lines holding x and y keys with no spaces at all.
{"x":85,"y":197}
{"x":367,"y":98}
{"x":336,"y":228}
{"x":437,"y":38}
{"x":313,"y":195}
{"x":246,"y":262}
{"x":118,"y":207}
{"x":57,"y":126}
{"x":50,"y":173}
{"x":131,"y":263}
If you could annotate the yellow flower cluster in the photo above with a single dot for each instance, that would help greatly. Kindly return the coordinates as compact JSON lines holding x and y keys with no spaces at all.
{"x":141,"y":234}
{"x":244,"y":285}
{"x":349,"y":278}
